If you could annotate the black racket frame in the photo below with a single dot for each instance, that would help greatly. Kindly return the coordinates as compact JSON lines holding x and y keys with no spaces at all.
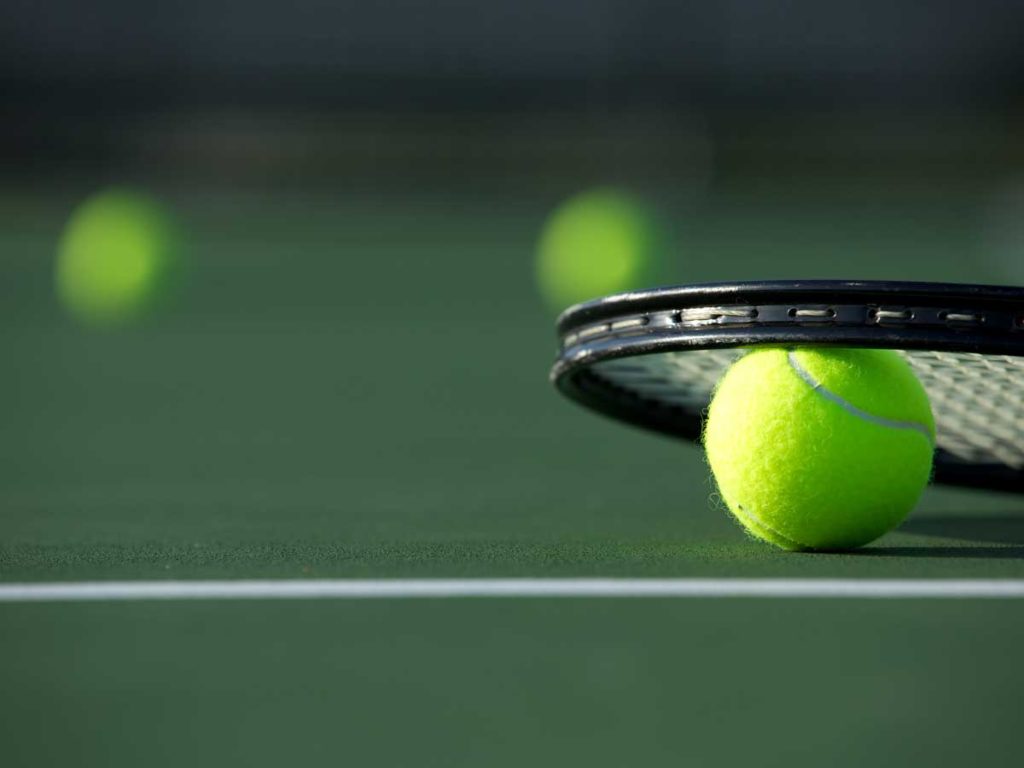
{"x":981,"y":319}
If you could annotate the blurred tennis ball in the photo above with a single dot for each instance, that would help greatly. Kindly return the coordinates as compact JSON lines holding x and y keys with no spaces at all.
{"x":598,"y":242}
{"x":116,"y":258}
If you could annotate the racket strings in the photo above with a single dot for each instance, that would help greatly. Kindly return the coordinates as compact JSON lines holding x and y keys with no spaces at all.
{"x":977,"y":399}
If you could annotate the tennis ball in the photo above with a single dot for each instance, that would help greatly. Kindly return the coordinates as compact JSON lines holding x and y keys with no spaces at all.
{"x":116,"y":258}
{"x":598,"y":242}
{"x":820,"y":448}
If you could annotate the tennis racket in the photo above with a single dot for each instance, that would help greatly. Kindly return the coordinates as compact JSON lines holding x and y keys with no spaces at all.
{"x":652,"y":358}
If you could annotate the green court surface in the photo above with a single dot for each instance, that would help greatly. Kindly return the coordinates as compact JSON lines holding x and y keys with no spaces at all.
{"x":354,"y":386}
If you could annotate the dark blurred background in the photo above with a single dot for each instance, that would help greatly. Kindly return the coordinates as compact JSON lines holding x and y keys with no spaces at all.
{"x":874,"y":119}
{"x":260,"y":92}
{"x":811,"y":139}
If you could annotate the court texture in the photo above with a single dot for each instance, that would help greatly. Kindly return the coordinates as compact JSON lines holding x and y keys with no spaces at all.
{"x":328,"y":508}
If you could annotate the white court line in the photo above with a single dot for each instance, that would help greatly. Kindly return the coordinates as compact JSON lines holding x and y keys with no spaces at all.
{"x":375,"y":589}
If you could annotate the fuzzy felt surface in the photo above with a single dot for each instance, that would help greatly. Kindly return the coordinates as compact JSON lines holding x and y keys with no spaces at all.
{"x":831,"y":467}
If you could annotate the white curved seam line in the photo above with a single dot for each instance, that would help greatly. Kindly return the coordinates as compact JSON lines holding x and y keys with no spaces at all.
{"x":752,"y":516}
{"x":850,"y":408}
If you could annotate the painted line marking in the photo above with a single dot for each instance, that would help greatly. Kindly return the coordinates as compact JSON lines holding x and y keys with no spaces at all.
{"x":377,"y":589}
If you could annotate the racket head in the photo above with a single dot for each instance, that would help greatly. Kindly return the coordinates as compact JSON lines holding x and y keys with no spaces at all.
{"x":652,"y":358}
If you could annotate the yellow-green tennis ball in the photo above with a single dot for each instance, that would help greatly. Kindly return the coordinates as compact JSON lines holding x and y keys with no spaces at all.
{"x":820,"y":448}
{"x":596,"y":243}
{"x":115,"y":258}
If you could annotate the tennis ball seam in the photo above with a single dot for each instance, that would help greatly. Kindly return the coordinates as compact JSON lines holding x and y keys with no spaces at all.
{"x":757,"y":522}
{"x":853,"y":410}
